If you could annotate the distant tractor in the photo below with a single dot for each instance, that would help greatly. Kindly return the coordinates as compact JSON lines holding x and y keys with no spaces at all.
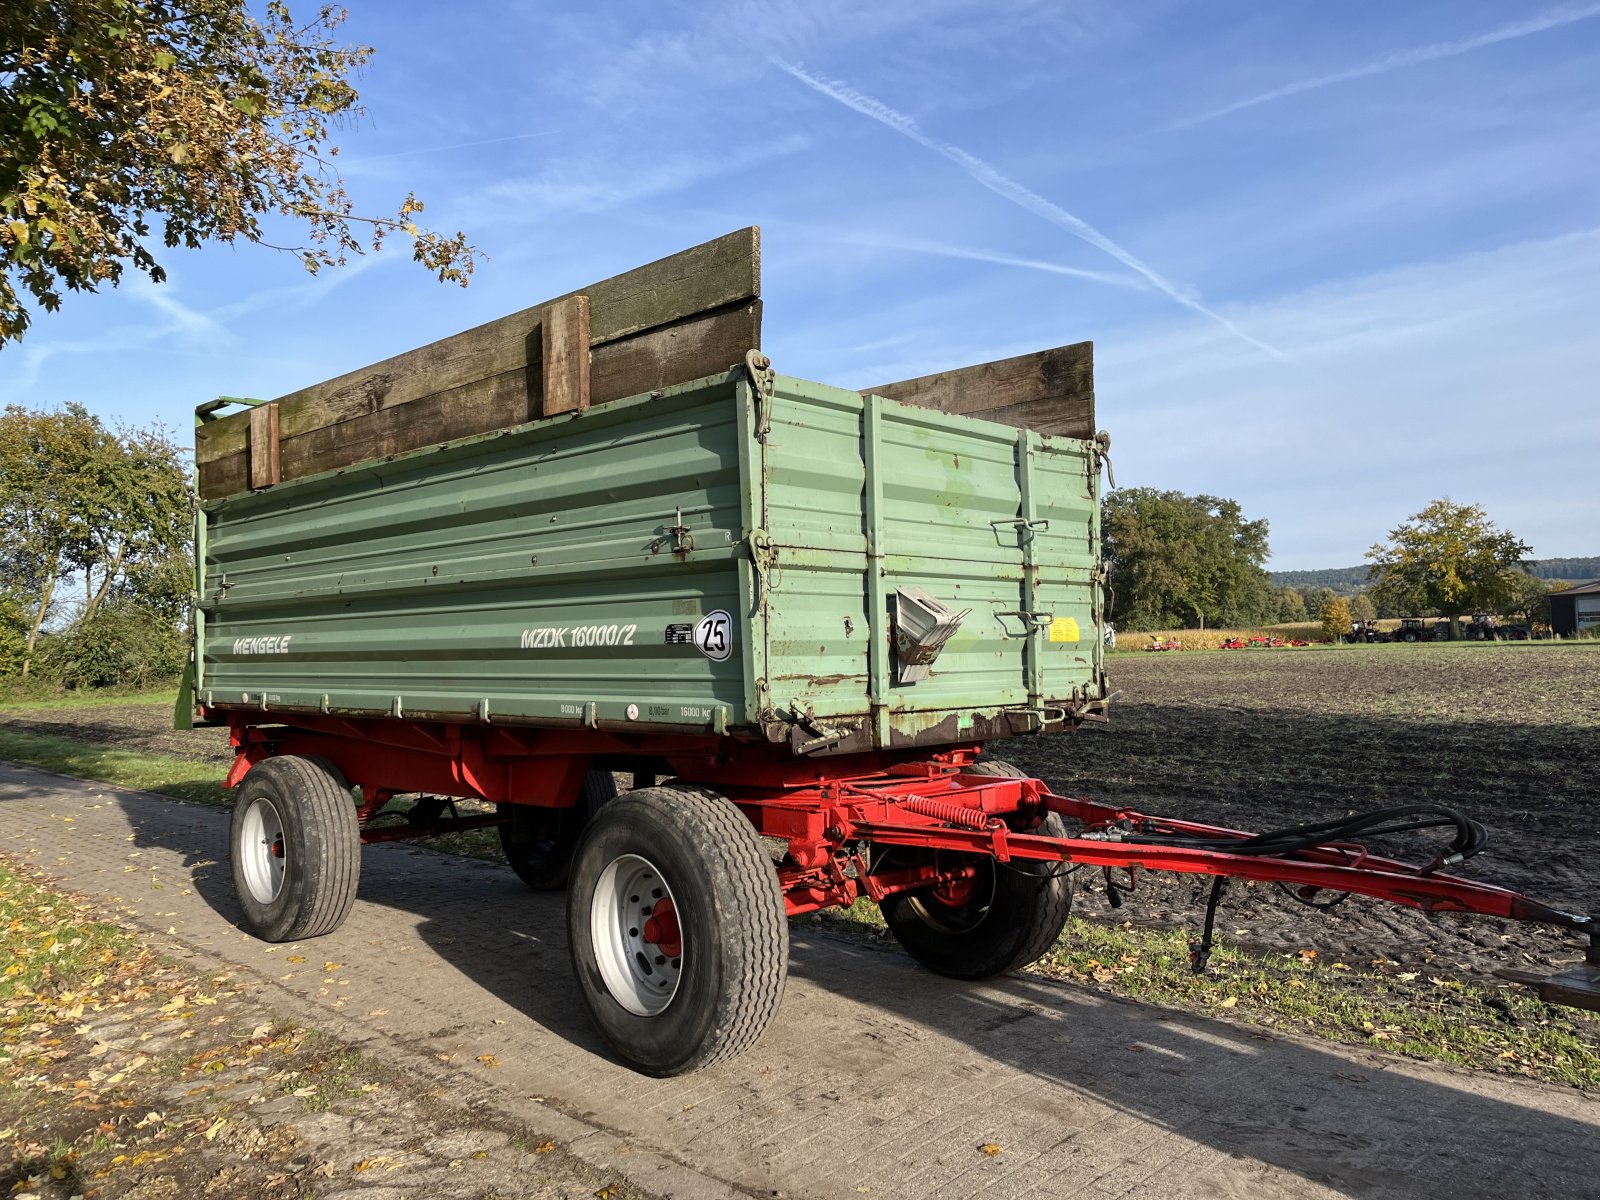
{"x":1412,"y":629}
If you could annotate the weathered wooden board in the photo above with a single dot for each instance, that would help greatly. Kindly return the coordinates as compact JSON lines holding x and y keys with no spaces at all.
{"x":631,"y":310}
{"x":565,"y":383}
{"x":654,"y":358}
{"x":1051,"y":391}
{"x":265,"y":468}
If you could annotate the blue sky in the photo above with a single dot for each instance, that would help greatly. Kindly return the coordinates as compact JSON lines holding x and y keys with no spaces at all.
{"x":1337,"y":260}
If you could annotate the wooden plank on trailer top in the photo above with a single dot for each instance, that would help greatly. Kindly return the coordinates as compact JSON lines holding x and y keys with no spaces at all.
{"x":706,"y":344}
{"x":565,"y":340}
{"x":718,"y":273}
{"x":654,"y":358}
{"x":1051,"y":391}
{"x":265,"y":467}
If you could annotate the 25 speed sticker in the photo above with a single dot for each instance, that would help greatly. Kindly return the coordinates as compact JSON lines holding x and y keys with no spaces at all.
{"x":713,"y":636}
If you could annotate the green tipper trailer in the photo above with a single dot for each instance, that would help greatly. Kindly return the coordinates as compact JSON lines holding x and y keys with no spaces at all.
{"x":604,"y":536}
{"x":732,"y":556}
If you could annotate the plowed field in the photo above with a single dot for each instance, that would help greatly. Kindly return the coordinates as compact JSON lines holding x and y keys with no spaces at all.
{"x":1261,"y":739}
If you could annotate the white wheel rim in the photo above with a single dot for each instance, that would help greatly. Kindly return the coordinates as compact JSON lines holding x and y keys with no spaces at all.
{"x":261,"y":850}
{"x":634,"y":926}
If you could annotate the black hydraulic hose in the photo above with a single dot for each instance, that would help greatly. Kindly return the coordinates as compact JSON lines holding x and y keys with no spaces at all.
{"x":1470,"y":836}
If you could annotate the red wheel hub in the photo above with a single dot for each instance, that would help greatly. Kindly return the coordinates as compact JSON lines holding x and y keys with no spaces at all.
{"x":661,"y":929}
{"x":955,"y":892}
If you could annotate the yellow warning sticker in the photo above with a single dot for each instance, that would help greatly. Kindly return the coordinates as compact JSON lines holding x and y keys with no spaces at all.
{"x":1064,"y":629}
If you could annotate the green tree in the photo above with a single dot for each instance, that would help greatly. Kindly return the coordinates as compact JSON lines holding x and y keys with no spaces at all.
{"x":128,"y":124}
{"x":1317,"y":600}
{"x":1362,"y":608}
{"x":1528,"y":597}
{"x":82,"y":503}
{"x":1178,"y":560}
{"x":1291,"y":606}
{"x":1449,"y":558}
{"x":1335,"y":618}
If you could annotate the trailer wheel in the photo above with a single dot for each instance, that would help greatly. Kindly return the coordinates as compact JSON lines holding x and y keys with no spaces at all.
{"x":1006,"y":917}
{"x":538,"y":842}
{"x":677,"y":928}
{"x":296,"y":848}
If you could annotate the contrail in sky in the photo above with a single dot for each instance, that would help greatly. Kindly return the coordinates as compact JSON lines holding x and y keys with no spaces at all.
{"x":1013,"y":191}
{"x":1553,"y":19}
{"x":943,"y":250}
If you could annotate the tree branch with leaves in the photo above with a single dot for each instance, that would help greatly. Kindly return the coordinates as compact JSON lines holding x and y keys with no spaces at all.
{"x":132,"y":124}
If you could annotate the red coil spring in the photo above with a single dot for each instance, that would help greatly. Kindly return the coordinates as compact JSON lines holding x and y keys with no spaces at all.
{"x":951,"y":814}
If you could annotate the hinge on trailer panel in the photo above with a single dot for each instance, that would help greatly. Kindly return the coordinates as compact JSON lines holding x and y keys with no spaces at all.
{"x":763,"y":382}
{"x":1102,"y":454}
{"x":762,"y":554}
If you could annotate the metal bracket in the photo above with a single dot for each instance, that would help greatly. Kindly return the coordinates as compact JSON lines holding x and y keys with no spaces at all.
{"x":1101,"y":444}
{"x":822,"y":738}
{"x":763,"y":383}
{"x":1026,"y":527}
{"x":209,"y":410}
{"x":1031,"y":621}
{"x":682,"y":539}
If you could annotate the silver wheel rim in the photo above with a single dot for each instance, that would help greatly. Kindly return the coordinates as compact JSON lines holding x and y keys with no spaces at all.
{"x":637,"y":938}
{"x":261,"y":850}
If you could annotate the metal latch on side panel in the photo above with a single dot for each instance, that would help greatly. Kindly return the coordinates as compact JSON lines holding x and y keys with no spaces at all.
{"x":922,"y":625}
{"x":1102,"y":454}
{"x":763,"y":383}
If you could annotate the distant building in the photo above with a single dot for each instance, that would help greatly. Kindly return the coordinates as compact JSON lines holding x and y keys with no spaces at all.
{"x":1575,"y":609}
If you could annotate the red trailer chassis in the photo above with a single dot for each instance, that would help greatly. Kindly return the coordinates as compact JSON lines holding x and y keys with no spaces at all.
{"x":836,"y":814}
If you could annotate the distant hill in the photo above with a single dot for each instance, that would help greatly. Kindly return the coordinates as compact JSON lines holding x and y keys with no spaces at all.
{"x":1347,"y":581}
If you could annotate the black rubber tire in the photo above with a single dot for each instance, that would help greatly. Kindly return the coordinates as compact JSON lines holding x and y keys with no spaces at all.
{"x":538,"y":842}
{"x":735,"y":934}
{"x":1025,"y":906}
{"x":321,"y":849}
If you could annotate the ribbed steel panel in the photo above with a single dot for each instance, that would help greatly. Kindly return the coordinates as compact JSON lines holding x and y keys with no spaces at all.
{"x":466,"y":581}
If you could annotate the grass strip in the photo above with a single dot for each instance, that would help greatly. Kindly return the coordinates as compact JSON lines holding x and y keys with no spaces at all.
{"x":183,"y":778}
{"x":199,"y":782}
{"x":1374,"y":1004}
{"x":21,"y":700}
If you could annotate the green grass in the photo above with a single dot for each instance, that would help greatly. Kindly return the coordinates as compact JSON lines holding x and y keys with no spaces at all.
{"x":16,"y":698}
{"x":198,"y":782}
{"x":183,"y":778}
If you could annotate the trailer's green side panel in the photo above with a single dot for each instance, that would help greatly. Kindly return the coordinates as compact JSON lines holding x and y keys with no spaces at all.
{"x":469,"y":580}
{"x":865,"y":496}
{"x":692,"y":561}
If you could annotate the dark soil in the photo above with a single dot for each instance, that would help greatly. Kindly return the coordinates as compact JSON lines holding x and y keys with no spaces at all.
{"x":146,"y":728}
{"x":1260,"y":739}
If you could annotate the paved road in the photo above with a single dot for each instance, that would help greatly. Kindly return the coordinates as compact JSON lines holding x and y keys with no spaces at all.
{"x":877,"y":1079}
